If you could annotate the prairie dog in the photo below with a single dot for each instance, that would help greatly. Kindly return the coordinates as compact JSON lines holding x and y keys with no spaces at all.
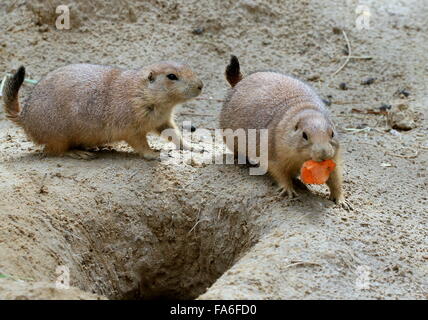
{"x":298,"y":123}
{"x":85,"y":105}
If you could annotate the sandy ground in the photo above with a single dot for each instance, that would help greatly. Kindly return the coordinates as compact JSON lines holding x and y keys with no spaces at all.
{"x":129,"y":228}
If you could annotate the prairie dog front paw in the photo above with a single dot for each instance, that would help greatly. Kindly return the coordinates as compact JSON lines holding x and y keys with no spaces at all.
{"x":151,"y":155}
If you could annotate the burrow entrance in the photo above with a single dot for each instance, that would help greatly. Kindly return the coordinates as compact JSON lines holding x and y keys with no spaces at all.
{"x":174,"y":250}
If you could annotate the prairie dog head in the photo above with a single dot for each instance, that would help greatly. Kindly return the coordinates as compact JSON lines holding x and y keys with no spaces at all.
{"x":171,"y":82}
{"x":313,"y":136}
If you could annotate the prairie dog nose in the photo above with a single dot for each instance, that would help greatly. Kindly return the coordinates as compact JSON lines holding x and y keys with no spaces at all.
{"x":322,"y":152}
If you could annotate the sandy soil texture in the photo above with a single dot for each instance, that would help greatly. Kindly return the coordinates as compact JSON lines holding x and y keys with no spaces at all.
{"x":129,"y":228}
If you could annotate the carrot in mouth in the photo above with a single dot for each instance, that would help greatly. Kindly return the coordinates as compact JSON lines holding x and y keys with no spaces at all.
{"x":314,"y":172}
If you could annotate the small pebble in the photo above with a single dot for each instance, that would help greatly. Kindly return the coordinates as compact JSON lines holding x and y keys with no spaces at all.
{"x":43,"y":28}
{"x":345,"y":51}
{"x":403,"y":93}
{"x":132,"y":16}
{"x":198,"y":31}
{"x":336,"y":30}
{"x":195,"y":164}
{"x":395,"y":133}
{"x":343,"y":86}
{"x":188,"y":127}
{"x":362,"y":126}
{"x":327,"y":102}
{"x":368,"y":81}
{"x":313,"y":77}
{"x":385,"y":107}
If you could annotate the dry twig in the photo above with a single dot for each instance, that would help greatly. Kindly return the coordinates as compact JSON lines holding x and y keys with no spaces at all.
{"x":349,"y":54}
{"x":301,"y":263}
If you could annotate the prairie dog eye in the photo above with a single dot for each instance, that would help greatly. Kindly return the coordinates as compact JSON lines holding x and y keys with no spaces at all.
{"x":172,"y":77}
{"x":305,"y":136}
{"x":332,"y":134}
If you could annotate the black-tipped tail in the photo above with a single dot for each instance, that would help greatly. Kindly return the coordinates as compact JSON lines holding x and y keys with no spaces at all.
{"x":233,"y":72}
{"x":10,"y":94}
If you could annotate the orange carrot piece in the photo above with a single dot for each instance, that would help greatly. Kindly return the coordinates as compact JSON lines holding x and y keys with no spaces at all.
{"x":314,"y":172}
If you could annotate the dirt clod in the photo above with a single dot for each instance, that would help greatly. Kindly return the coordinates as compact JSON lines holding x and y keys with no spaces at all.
{"x":401,"y":116}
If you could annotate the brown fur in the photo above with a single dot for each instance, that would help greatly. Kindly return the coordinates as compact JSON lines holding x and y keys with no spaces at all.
{"x":287,"y":108}
{"x":87,"y":105}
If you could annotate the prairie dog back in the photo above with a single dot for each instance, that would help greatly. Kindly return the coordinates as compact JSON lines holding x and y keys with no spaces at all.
{"x":266,"y":95}
{"x":75,"y":99}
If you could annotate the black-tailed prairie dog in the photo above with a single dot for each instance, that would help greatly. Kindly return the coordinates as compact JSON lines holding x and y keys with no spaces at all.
{"x":298,"y":123}
{"x":85,"y":105}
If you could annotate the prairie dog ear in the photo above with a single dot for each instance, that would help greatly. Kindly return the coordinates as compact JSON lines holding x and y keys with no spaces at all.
{"x":151,"y":77}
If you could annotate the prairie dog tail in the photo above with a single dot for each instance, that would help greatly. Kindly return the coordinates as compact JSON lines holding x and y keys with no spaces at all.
{"x":10,"y":95}
{"x":233,"y":73}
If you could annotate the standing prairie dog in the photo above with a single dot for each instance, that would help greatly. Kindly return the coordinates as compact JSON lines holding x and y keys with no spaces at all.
{"x":84,"y":105}
{"x":299,"y":126}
